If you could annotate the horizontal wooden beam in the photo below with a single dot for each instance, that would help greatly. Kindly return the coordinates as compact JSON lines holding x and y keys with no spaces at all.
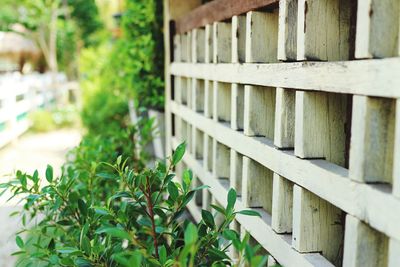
{"x":373,"y":77}
{"x":370,"y":203}
{"x":219,"y":10}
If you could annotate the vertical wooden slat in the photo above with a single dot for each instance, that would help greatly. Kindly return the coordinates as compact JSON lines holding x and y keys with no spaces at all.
{"x":282,"y":205}
{"x":323,"y":29}
{"x":320,"y":126}
{"x":317,"y":225}
{"x":394,"y":253}
{"x":257,"y":185}
{"x":238,"y":39}
{"x":262,"y":36}
{"x":237,"y":106}
{"x":208,"y":153}
{"x":222,"y":40}
{"x":222,"y":101}
{"x":236,"y":171}
{"x":396,"y":157}
{"x":372,"y":140}
{"x":377,"y":28}
{"x":363,"y":246}
{"x":287,"y":33}
{"x":284,"y":118}
{"x":259,"y":111}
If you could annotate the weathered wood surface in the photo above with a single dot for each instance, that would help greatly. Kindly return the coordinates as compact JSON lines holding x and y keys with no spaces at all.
{"x":219,"y":10}
{"x":364,"y":77}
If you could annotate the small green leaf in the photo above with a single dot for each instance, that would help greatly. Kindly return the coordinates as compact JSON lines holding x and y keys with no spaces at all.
{"x":82,"y":207}
{"x":200,"y":187}
{"x":230,"y":234}
{"x":19,"y":241}
{"x":119,"y":159}
{"x":249,"y":213}
{"x":218,"y":208}
{"x":163,"y":255}
{"x":187,"y":179}
{"x":208,"y":218}
{"x":86,"y":245}
{"x":191,"y":234}
{"x":173,"y":190}
{"x":35,"y":176}
{"x":49,"y":173}
{"x":231,"y":200}
{"x":179,"y":152}
{"x":136,"y":259}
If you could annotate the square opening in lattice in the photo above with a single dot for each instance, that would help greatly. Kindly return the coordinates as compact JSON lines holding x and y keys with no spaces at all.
{"x":259,"y":111}
{"x":237,"y":113}
{"x":199,"y":95}
{"x":221,"y":160}
{"x":324,"y":29}
{"x":198,"y":140}
{"x":323,"y":126}
{"x":222,"y":109}
{"x":198,"y":198}
{"x":257,"y":185}
{"x":372,"y":140}
{"x":318,"y":226}
{"x":184,"y":90}
{"x":186,"y":134}
{"x":173,"y":125}
{"x":262,"y":36}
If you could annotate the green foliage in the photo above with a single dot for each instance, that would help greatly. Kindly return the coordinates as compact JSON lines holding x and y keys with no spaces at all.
{"x":138,"y":54}
{"x":135,"y":222}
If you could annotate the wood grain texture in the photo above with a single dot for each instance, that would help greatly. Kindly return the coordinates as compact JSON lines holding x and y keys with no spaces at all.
{"x":222,"y":42}
{"x":372,"y":140}
{"x":239,"y":39}
{"x":198,"y":95}
{"x":323,"y":30}
{"x":396,"y":157}
{"x":219,"y":10}
{"x":259,"y":111}
{"x":363,"y":246}
{"x":284,"y":118}
{"x":368,"y":202}
{"x":317,"y":226}
{"x":320,"y":126}
{"x":360,"y":77}
{"x":236,"y":171}
{"x":394,"y":253}
{"x":378,"y":28}
{"x":262,"y":37}
{"x":222,"y":101}
{"x":208,"y":50}
{"x":287,"y":32}
{"x":209,"y":98}
{"x":259,"y":228}
{"x":282,"y":205}
{"x":257,"y":185}
{"x":222,"y":158}
{"x":237,"y":106}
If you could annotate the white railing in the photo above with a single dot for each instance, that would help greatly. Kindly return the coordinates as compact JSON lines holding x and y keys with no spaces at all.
{"x":20,"y":95}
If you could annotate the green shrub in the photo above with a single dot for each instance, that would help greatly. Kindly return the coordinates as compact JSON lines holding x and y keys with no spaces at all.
{"x":132,"y":224}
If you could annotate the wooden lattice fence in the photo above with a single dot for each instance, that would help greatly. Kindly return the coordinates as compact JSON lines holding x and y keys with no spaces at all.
{"x":295,"y":104}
